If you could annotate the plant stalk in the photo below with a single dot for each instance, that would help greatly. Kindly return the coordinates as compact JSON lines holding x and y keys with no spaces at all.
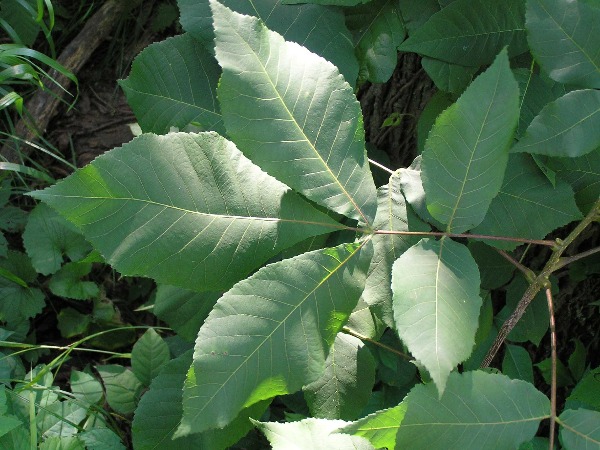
{"x":554,"y":363}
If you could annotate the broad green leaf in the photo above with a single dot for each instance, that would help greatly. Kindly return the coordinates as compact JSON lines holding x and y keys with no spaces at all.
{"x":527,"y":206}
{"x":567,"y":127}
{"x":465,"y":418}
{"x":172,"y":84}
{"x":12,"y":219}
{"x":537,"y":443}
{"x":467,"y":150}
{"x":435,"y":106}
{"x":587,"y":392}
{"x":379,"y":428}
{"x":363,"y":321}
{"x":314,"y":434}
{"x":583,"y":174}
{"x":494,"y":269}
{"x":392,"y":215}
{"x":517,"y":363}
{"x":58,"y":418}
{"x":415,"y":14}
{"x":67,"y":282}
{"x":344,"y":388}
{"x":580,"y":429}
{"x":563,"y":376}
{"x":17,"y":438}
{"x":183,"y":310}
{"x":122,"y":387}
{"x":48,"y":236}
{"x":72,"y":323}
{"x":320,"y":29}
{"x":536,"y":92}
{"x":292,"y":113}
{"x":153,"y":425}
{"x":448,"y":77}
{"x":8,"y":422}
{"x":436,"y":304}
{"x":564,"y":39}
{"x":471,"y":32}
{"x":85,"y":387}
{"x":270,"y":334}
{"x":199,"y":215}
{"x":21,"y":16}
{"x":18,"y":302}
{"x":533,"y":325}
{"x":148,"y":355}
{"x":378,"y":30}
{"x":3,"y":245}
{"x":101,"y":439}
{"x":577,"y":359}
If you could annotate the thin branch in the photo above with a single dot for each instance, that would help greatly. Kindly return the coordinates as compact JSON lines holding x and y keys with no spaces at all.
{"x":529,"y":274}
{"x":568,"y":260}
{"x":554,"y":363}
{"x":374,"y":342}
{"x":469,"y":235}
{"x":540,"y":282}
{"x":381,"y":166}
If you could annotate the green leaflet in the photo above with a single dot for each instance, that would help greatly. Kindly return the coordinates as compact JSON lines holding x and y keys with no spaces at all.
{"x":526,"y":194}
{"x":583,"y":174}
{"x":149,"y":354}
{"x":471,"y":32}
{"x":563,"y":36}
{"x":293,"y":115}
{"x":320,"y":29}
{"x":436,"y":304}
{"x":378,"y":30}
{"x":565,"y":127}
{"x":48,"y":236}
{"x":173,"y":84}
{"x":199,"y":215}
{"x":448,"y":77}
{"x":392,"y":215}
{"x":579,"y":429}
{"x":380,"y":428}
{"x":316,"y":434}
{"x":467,"y":149}
{"x":344,"y":387}
{"x":151,"y":430}
{"x":326,"y":2}
{"x":270,"y":334}
{"x":517,"y":363}
{"x":463,"y":418}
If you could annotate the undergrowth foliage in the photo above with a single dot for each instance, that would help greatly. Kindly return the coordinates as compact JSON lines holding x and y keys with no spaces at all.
{"x":365,"y":311}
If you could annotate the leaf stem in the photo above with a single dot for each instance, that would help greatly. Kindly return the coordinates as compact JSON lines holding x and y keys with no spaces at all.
{"x":547,"y":243}
{"x":540,"y":282}
{"x":529,"y":274}
{"x":374,"y":342}
{"x":554,"y":363}
{"x":568,"y":260}
{"x":381,"y":166}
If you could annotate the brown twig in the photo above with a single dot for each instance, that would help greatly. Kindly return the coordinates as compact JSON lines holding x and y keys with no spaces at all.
{"x":469,"y":235}
{"x":540,"y":282}
{"x":554,"y":363}
{"x":529,"y":274}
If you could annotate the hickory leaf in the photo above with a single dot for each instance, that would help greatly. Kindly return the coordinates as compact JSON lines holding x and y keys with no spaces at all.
{"x":563,"y":36}
{"x":471,"y":33}
{"x":436,"y":304}
{"x":380,"y":428}
{"x":304,"y":126}
{"x":467,"y":149}
{"x":200,"y":215}
{"x":270,"y":334}
{"x":462,"y":417}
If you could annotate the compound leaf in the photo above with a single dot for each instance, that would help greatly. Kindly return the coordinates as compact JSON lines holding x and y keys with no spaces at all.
{"x":344,"y":388}
{"x":173,"y":84}
{"x":148,"y":355}
{"x":467,"y":149}
{"x":199,"y":215}
{"x":566,"y":127}
{"x":471,"y":32}
{"x":270,"y":334}
{"x":463,"y":417}
{"x":292,"y":114}
{"x":436,"y":304}
{"x":564,"y":39}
